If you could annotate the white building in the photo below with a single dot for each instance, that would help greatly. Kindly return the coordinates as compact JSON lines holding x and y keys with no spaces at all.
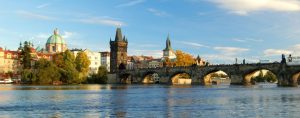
{"x":105,"y":60}
{"x":94,"y":57}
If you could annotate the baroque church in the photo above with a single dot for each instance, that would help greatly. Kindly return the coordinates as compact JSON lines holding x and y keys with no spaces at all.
{"x":56,"y":43}
{"x":118,"y":52}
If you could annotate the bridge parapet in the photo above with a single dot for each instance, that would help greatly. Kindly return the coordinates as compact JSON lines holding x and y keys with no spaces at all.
{"x":237,"y":72}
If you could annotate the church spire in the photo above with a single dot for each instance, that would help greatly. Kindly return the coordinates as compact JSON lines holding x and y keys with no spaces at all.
{"x":168,"y":43}
{"x":118,"y":35}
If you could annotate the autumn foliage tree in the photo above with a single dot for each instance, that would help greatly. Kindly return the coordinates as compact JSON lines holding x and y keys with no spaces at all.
{"x":82,"y":63}
{"x":183,"y":59}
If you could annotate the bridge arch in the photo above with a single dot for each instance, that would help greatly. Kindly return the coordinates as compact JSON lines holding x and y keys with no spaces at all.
{"x":180,"y":78}
{"x":295,"y":78}
{"x":150,"y":77}
{"x":125,"y":78}
{"x":216,"y":76}
{"x":253,"y":76}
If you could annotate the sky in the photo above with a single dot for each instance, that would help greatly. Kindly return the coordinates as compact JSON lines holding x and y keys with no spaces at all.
{"x":217,"y":30}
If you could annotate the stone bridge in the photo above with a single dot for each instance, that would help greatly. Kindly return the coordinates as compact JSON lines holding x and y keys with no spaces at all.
{"x":239,"y":74}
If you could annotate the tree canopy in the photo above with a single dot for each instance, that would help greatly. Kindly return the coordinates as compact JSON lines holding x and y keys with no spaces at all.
{"x":26,"y":56}
{"x":82,"y":63}
{"x":184,"y":59}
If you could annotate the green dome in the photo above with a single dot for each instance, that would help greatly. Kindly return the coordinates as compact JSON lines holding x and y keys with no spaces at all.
{"x":55,"y":38}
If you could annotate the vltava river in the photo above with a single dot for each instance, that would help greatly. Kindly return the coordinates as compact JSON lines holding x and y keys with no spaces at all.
{"x":148,"y":101}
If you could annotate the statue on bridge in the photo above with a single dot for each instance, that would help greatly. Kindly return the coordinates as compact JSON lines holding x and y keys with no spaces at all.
{"x":283,"y":60}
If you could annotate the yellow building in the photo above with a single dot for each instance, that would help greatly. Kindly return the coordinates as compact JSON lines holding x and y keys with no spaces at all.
{"x":9,"y":62}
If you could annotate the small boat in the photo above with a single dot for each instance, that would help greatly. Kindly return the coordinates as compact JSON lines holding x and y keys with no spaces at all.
{"x":6,"y":81}
{"x":266,"y":85}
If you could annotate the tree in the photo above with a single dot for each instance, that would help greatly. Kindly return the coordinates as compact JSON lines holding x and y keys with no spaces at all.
{"x":100,"y":77}
{"x":168,"y":63}
{"x":46,"y":72}
{"x":82,"y":63}
{"x":58,"y":60}
{"x":67,"y":68}
{"x":27,"y":76}
{"x":183,"y":59}
{"x":26,"y":56}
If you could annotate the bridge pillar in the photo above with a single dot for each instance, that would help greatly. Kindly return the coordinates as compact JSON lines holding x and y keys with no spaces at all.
{"x":164,"y":80}
{"x":286,"y":80}
{"x":196,"y":81}
{"x":237,"y":79}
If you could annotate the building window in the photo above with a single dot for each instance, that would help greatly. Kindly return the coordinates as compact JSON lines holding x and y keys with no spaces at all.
{"x":53,"y":49}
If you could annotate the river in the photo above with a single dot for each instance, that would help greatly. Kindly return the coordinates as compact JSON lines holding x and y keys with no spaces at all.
{"x":149,"y":101}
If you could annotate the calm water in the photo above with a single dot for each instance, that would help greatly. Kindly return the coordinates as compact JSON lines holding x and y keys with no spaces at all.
{"x":148,"y":101}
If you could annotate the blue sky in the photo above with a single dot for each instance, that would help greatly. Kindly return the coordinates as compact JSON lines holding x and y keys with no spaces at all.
{"x":217,"y":30}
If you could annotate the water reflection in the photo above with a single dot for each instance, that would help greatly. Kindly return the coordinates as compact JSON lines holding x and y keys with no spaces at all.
{"x":148,"y":101}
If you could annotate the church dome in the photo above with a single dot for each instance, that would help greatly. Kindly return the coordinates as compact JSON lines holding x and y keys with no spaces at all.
{"x":55,"y":38}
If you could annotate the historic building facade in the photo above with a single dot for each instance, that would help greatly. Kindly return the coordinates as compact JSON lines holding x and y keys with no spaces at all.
{"x":168,"y":52}
{"x":118,"y":52}
{"x":105,"y":60}
{"x":56,"y":43}
{"x":10,"y":61}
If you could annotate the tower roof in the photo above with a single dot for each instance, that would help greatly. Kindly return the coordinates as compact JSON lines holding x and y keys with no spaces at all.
{"x":118,"y":35}
{"x":168,"y":43}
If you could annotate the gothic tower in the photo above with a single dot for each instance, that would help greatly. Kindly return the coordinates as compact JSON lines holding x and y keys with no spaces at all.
{"x":118,"y":52}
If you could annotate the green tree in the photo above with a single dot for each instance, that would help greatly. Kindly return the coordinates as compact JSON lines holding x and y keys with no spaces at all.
{"x":67,"y":68}
{"x":46,"y":72}
{"x":82,"y":63}
{"x":27,"y":76}
{"x":26,"y":56}
{"x":58,"y":60}
{"x":100,"y":77}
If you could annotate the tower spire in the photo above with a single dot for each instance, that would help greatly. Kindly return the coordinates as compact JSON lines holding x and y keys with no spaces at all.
{"x":118,"y":34}
{"x":168,"y":43}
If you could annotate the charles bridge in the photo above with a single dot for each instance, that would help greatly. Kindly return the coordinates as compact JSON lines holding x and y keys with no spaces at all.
{"x":239,"y":74}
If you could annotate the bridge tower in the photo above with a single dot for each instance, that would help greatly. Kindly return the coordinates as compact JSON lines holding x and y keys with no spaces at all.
{"x":118,"y":52}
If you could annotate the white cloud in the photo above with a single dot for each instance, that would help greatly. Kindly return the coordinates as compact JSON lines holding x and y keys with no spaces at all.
{"x":131,"y":3}
{"x":32,"y":15}
{"x":274,"y":52}
{"x":294,"y":50}
{"x":157,"y":12}
{"x":153,"y":53}
{"x":68,"y":35}
{"x":103,"y":21}
{"x":227,"y":59}
{"x":244,"y":7}
{"x":198,"y":45}
{"x":43,"y":5}
{"x":230,"y":50}
{"x":247,"y":40}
